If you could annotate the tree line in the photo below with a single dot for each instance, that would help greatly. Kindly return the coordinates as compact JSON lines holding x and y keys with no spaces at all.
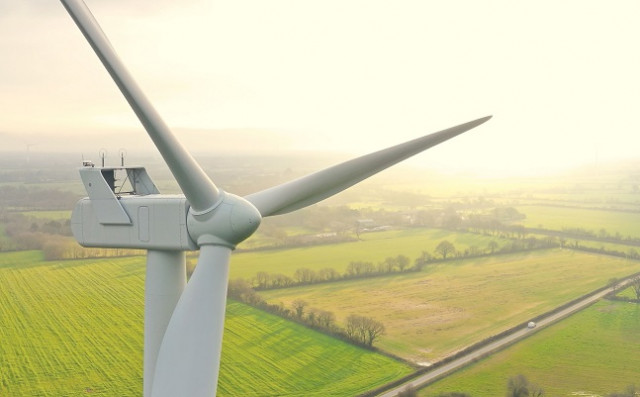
{"x":32,"y":198}
{"x":52,"y":237}
{"x":444,"y":251}
{"x":360,"y":330}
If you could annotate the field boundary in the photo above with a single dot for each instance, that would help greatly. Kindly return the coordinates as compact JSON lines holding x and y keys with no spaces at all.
{"x":487,"y":341}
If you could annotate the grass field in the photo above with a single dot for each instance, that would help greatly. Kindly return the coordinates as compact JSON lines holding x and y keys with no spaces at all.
{"x":434,"y":313}
{"x":628,"y":293}
{"x":373,"y":247}
{"x":557,"y":218}
{"x":70,"y":328}
{"x":75,"y":327}
{"x":264,"y":355}
{"x":623,"y":248}
{"x":595,"y":352}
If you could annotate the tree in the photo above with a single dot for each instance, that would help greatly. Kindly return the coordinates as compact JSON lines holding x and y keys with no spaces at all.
{"x":298,"y":306}
{"x":519,"y":386}
{"x":474,"y":251}
{"x":493,"y":246}
{"x":262,"y":279}
{"x":280,"y":280}
{"x":325,"y":318}
{"x":445,"y":248}
{"x":630,"y":392}
{"x":362,"y":329}
{"x":312,"y":316}
{"x":305,"y":275}
{"x":402,"y":261}
{"x":389,"y":264}
{"x":373,"y":329}
{"x":422,"y":260}
{"x":328,"y":274}
{"x":357,"y":268}
{"x":635,"y":284}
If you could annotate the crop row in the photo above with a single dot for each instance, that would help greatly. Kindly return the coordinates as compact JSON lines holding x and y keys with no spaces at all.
{"x":75,"y":327}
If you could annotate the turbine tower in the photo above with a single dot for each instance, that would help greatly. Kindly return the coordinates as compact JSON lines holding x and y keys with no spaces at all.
{"x":184,"y":321}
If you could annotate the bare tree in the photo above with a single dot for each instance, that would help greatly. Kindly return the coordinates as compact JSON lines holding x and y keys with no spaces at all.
{"x":357,"y":268}
{"x":312,"y":316}
{"x":326,"y":318}
{"x":519,"y":386}
{"x":298,"y":306}
{"x":305,"y":275}
{"x":328,"y":274}
{"x":630,"y":392}
{"x":373,"y":329}
{"x":364,"y":330}
{"x":262,"y":279}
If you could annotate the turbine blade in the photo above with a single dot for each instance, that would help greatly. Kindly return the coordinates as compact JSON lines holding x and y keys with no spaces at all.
{"x":189,"y":357}
{"x":318,"y":186}
{"x":195,"y":184}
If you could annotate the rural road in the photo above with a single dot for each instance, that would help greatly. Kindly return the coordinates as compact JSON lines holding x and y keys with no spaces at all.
{"x":440,"y":372}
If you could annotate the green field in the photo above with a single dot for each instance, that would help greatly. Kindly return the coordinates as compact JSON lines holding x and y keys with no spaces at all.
{"x":264,"y":355}
{"x":373,"y":247}
{"x":595,"y":352}
{"x":629,"y":293}
{"x":70,"y":328}
{"x":558,"y":218}
{"x":431,"y":314}
{"x":623,"y":248}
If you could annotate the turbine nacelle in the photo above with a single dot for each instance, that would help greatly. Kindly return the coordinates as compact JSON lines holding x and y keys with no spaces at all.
{"x":138,"y":217}
{"x":125,"y":210}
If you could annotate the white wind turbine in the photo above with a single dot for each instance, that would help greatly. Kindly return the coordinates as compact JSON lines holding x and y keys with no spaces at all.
{"x":184,"y":321}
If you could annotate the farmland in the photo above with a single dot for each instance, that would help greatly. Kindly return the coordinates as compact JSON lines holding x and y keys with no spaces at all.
{"x":264,"y":355}
{"x":438,"y":311}
{"x":373,"y":247}
{"x":595,"y":352}
{"x":75,"y":327}
{"x":69,"y":328}
{"x":558,"y":218}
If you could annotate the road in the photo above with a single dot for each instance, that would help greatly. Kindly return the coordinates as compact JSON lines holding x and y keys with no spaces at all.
{"x":440,"y":372}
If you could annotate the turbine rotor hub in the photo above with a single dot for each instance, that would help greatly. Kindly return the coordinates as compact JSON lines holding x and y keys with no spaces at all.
{"x":228,"y":222}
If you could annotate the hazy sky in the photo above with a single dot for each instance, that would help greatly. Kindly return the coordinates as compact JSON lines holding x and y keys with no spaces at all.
{"x":561,"y":78}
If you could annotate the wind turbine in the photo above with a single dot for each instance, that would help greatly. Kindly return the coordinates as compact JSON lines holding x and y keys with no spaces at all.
{"x":184,"y":321}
